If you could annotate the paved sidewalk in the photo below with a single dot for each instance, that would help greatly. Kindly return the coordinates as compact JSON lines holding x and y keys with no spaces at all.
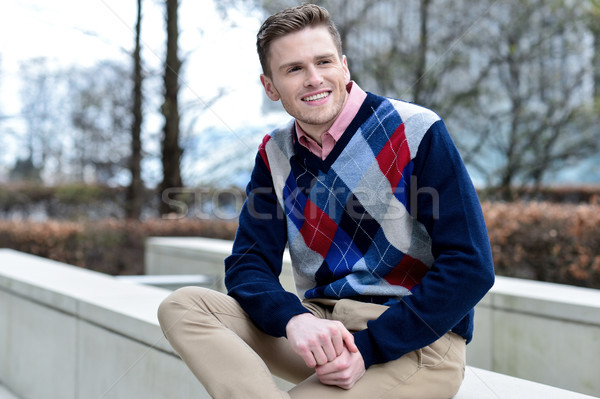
{"x":6,"y":394}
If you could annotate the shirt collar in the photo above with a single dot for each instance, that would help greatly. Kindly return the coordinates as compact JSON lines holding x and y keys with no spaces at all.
{"x":356,"y":96}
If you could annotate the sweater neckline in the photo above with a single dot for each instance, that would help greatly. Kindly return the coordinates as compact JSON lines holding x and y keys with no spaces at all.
{"x":312,"y":161}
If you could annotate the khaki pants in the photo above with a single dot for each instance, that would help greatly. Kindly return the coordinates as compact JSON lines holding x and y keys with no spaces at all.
{"x":233,"y":359}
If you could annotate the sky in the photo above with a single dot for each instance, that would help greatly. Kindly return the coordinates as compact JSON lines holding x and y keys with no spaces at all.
{"x":219,"y":55}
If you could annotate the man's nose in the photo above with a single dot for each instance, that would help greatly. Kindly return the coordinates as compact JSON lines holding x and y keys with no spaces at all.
{"x":313,"y":76}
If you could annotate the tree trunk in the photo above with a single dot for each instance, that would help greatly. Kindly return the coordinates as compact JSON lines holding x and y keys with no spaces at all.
{"x":171,"y":151}
{"x":422,"y":60}
{"x":596,"y":65}
{"x":135,"y":192}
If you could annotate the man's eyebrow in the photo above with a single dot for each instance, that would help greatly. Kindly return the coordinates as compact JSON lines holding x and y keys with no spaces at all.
{"x":289,"y":64}
{"x":328,"y":55}
{"x":296,"y":63}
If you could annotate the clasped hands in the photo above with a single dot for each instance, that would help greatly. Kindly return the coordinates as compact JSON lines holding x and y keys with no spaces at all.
{"x":328,"y":347}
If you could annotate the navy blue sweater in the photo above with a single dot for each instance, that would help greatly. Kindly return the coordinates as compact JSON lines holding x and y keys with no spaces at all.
{"x":390,"y":216}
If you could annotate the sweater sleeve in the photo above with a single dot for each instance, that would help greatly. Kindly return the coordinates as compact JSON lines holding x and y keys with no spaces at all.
{"x":253,"y":268}
{"x":462,"y":272}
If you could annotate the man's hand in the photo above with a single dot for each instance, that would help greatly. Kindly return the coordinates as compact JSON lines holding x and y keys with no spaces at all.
{"x":318,"y":341}
{"x":343,"y":371}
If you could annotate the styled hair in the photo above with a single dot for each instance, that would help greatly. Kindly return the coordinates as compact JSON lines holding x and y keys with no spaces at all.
{"x":292,"y":20}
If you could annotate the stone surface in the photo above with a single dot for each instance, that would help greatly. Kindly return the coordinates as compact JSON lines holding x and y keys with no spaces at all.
{"x":539,"y":331}
{"x":535,"y":330}
{"x":71,"y":333}
{"x":125,"y":369}
{"x":41,"y":351}
{"x":6,"y":394}
{"x":483,"y":384}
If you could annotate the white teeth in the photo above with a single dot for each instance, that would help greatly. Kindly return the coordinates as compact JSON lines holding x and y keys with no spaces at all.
{"x":316,"y":97}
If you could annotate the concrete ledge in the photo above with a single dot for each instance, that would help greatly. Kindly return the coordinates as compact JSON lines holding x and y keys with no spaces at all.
{"x":193,"y":255}
{"x":69,"y":333}
{"x":544,"y":332}
{"x":558,"y":301}
{"x":538,"y":331}
{"x":5,"y":394}
{"x":484,"y":384}
{"x":171,"y":281}
{"x":81,"y":334}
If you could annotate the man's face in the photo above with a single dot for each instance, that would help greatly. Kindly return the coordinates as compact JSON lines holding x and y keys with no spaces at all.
{"x":308,"y":77}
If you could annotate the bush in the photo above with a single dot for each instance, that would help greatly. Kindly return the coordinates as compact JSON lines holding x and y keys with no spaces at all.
{"x":65,"y":202}
{"x":537,"y":240}
{"x":546,"y":241}
{"x":77,"y":201}
{"x":109,"y":246}
{"x":581,"y":193}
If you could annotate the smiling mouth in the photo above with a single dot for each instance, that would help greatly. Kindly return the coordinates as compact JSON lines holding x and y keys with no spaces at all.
{"x":317,"y":96}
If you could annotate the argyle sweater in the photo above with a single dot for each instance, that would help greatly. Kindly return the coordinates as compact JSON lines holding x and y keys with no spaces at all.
{"x":389,"y":217}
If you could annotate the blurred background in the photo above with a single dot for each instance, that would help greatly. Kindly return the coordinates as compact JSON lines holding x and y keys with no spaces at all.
{"x":124,"y":120}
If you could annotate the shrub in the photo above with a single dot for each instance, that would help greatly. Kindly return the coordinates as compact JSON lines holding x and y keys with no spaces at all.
{"x":534,"y":240}
{"x":546,"y":241}
{"x":111,"y":246}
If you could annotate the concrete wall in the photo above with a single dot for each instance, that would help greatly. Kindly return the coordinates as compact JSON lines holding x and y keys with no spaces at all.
{"x":191,"y":255}
{"x":549,"y":333}
{"x":544,"y":332}
{"x":69,"y":333}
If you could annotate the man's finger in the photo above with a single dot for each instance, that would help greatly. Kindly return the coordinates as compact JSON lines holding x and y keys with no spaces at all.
{"x":309,"y":358}
{"x":330,"y":350}
{"x":338,"y":343}
{"x":349,"y":341}
{"x":320,"y":356}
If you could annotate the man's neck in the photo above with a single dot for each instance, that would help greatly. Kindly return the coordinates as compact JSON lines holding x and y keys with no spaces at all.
{"x":313,"y":133}
{"x":319,"y":139}
{"x":316,"y":133}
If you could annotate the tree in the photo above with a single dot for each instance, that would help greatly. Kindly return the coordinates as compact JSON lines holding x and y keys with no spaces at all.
{"x":3,"y":134}
{"x":75,"y":120}
{"x":593,"y":20}
{"x":534,"y":109}
{"x":135,"y":191}
{"x":100,"y":116}
{"x":25,"y":170}
{"x":509,"y":79}
{"x":171,"y":150}
{"x":43,"y":113}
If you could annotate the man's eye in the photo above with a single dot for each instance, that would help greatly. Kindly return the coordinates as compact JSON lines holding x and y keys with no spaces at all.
{"x":293,"y":69}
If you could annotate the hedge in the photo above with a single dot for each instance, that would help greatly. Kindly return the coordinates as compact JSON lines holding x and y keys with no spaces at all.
{"x":546,"y":241}
{"x":534,"y":240}
{"x":110,"y":246}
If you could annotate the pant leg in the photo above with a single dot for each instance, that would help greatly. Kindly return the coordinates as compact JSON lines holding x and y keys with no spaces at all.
{"x":224,"y":349}
{"x":433,"y":372}
{"x":422,"y":374}
{"x":211,"y":333}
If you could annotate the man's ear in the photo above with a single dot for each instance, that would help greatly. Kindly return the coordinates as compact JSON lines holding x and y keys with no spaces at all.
{"x":270,"y":90}
{"x":345,"y":68}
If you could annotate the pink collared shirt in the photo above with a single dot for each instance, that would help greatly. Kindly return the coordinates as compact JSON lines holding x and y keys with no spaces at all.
{"x":356,"y":96}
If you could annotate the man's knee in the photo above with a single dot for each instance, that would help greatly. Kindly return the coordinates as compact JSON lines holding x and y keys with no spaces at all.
{"x":182,"y":299}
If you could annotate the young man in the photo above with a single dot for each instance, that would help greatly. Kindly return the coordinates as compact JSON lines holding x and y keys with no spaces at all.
{"x":385,"y":231}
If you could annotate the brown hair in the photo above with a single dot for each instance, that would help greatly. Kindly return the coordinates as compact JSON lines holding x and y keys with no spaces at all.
{"x":289,"y":21}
